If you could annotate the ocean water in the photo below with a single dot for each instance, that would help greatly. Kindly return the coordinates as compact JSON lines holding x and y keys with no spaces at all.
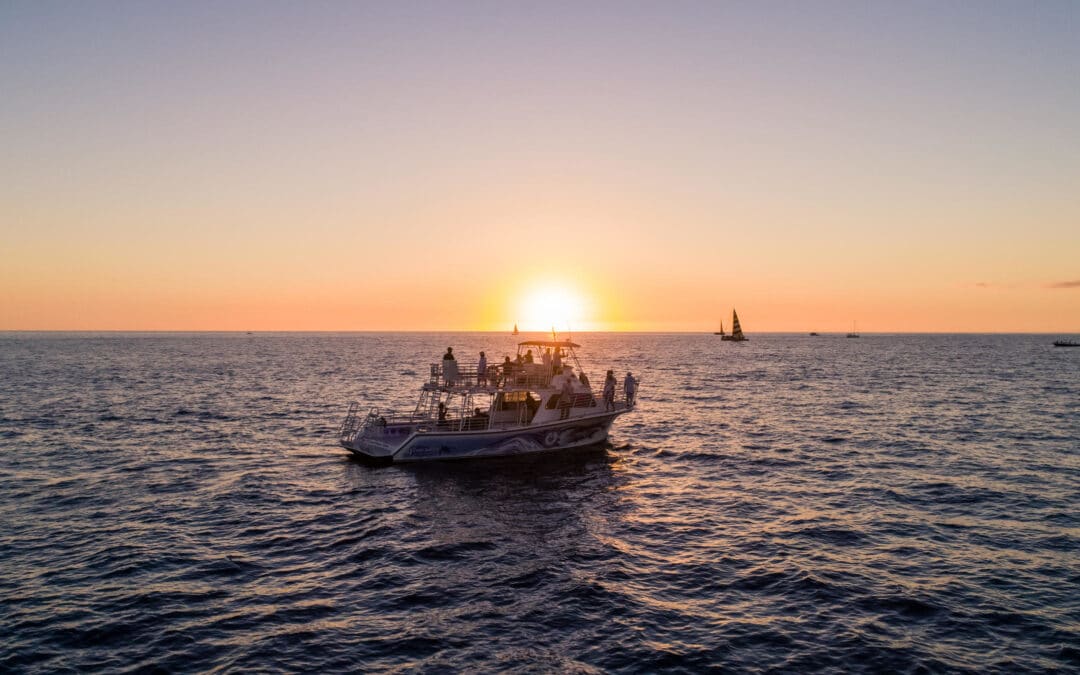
{"x":902,"y":503}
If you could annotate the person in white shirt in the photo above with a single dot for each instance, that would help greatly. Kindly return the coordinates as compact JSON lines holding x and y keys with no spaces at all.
{"x":630,"y":388}
{"x":449,"y":366}
{"x":567,"y":399}
{"x":481,"y":370}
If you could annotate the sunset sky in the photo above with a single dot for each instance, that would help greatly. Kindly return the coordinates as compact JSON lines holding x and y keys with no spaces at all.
{"x":612,"y":166}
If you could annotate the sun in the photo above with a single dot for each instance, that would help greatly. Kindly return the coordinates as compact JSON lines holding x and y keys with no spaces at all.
{"x":551,"y":307}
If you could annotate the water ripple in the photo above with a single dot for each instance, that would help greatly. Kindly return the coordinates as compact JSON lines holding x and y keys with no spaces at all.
{"x":175,"y":502}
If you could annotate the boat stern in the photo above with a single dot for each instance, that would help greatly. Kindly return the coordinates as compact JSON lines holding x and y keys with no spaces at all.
{"x":370,"y":436}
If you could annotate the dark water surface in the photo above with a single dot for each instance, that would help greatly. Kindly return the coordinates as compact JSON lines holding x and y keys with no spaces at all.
{"x":793,"y":503}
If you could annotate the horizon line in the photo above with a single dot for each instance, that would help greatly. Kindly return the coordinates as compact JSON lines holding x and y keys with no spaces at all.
{"x":499,"y":332}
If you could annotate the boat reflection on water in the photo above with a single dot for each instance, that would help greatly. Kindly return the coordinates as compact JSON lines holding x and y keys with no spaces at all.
{"x":538,"y":508}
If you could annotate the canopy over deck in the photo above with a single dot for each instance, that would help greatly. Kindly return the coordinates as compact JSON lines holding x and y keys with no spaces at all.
{"x":548,"y":343}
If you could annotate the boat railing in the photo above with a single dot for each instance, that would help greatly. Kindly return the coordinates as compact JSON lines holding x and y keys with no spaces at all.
{"x":533,"y":375}
{"x":352,"y":425}
{"x":374,"y":422}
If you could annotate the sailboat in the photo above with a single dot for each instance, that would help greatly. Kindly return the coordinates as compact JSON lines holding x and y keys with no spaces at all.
{"x":721,"y":328}
{"x":736,"y":330}
{"x":854,"y":331}
{"x":515,"y":330}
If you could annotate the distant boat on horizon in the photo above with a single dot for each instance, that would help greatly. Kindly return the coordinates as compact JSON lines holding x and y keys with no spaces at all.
{"x":515,"y":330}
{"x":736,"y":330}
{"x":721,"y":328}
{"x":813,"y":334}
{"x":854,"y":330}
{"x":1066,"y":343}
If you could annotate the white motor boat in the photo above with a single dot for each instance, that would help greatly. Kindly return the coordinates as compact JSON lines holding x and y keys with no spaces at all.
{"x":510,"y":409}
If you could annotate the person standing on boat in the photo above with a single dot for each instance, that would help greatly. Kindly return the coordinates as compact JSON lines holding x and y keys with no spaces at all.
{"x":481,"y":370}
{"x":545,"y":358}
{"x":609,"y":391}
{"x":449,"y":367}
{"x":528,"y":356}
{"x":507,"y":370}
{"x":630,"y":388}
{"x":556,"y":362}
{"x":566,"y":400}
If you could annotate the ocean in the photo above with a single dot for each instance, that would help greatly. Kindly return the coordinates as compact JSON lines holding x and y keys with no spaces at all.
{"x":178,"y":502}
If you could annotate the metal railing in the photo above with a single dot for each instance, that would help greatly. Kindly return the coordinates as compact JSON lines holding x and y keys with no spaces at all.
{"x":527,"y":375}
{"x":352,"y":425}
{"x":533,"y":375}
{"x":374,"y":422}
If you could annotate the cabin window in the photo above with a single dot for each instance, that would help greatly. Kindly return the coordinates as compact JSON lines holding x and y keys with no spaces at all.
{"x":511,"y":400}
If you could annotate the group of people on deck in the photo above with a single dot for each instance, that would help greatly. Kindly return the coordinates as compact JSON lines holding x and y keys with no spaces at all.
{"x":552,"y":360}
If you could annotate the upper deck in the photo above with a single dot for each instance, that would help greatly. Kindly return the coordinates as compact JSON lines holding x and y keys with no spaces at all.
{"x":528,"y":371}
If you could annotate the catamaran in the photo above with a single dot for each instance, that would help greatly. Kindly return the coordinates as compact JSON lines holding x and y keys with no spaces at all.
{"x":508,"y":409}
{"x":736,"y":330}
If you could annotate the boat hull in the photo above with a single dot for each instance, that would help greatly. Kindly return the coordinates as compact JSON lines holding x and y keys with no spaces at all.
{"x":437,"y":445}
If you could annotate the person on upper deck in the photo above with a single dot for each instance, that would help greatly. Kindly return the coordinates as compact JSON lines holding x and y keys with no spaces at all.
{"x":450,"y":369}
{"x":528,"y":356}
{"x":556,"y":362}
{"x":481,"y":370}
{"x":583,"y":380}
{"x":545,"y":358}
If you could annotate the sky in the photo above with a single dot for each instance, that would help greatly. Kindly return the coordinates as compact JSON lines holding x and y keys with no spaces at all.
{"x":649,"y":166}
